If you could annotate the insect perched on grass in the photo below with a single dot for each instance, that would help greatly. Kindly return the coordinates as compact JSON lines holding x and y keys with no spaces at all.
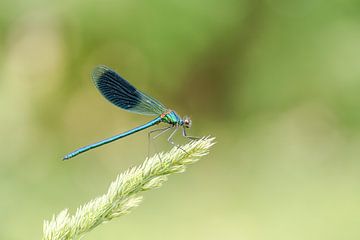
{"x":121,"y":93}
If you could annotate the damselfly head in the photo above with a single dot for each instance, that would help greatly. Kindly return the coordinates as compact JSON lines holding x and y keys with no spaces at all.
{"x":187,"y":122}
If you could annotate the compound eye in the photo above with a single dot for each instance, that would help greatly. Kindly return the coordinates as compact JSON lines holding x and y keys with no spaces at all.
{"x":187,"y":122}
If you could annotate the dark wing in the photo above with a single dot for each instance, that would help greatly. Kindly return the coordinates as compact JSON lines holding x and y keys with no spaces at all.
{"x":121,"y":93}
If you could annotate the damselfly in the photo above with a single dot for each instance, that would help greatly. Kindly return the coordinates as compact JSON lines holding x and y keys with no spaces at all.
{"x":122,"y":94}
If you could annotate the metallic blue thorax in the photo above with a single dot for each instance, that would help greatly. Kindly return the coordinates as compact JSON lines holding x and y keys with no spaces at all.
{"x":172,"y":118}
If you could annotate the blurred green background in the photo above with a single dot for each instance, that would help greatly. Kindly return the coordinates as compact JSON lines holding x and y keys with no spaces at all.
{"x":277,"y":82}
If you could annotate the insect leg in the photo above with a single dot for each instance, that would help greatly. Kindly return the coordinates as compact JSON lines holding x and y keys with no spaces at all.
{"x":162,"y":130}
{"x":188,"y":137}
{"x":170,"y":140}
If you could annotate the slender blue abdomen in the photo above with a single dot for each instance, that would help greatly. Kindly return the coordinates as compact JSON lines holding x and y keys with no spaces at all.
{"x":111,"y":139}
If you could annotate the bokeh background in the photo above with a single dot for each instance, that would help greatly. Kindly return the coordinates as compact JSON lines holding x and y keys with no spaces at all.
{"x":277,"y":82}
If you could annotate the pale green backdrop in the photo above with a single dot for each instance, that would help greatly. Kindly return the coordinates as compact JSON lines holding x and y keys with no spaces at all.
{"x":277,"y":82}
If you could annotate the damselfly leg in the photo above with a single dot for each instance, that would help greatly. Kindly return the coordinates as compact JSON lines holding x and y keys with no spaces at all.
{"x":161,"y":130}
{"x":171,"y":137}
{"x":188,"y":137}
{"x":171,"y":140}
